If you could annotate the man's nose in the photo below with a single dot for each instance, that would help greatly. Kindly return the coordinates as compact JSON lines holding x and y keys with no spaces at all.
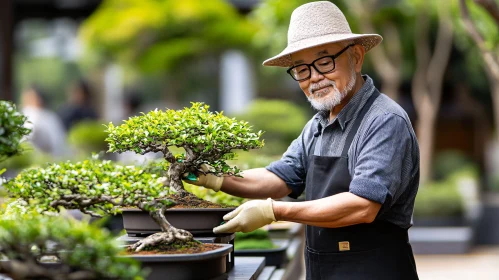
{"x":315,"y":75}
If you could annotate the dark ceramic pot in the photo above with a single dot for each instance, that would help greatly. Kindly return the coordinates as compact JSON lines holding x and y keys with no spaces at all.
{"x":138,"y":222}
{"x":203,"y":266}
{"x":273,"y":257}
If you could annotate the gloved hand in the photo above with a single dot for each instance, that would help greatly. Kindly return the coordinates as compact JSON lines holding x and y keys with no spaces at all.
{"x":209,"y":181}
{"x":249,"y":216}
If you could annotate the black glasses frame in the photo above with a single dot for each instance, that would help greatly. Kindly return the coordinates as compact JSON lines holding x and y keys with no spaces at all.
{"x":334,"y":56}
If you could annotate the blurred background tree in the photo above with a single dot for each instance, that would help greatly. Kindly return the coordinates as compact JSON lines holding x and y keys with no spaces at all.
{"x":168,"y":38}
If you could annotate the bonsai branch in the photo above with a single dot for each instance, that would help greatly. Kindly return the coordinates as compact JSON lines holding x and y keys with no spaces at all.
{"x":168,"y":155}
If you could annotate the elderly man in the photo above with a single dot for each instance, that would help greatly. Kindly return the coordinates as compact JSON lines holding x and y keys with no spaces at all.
{"x":357,"y":159}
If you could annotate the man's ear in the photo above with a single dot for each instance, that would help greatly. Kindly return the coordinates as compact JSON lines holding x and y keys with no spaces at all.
{"x":358,"y":53}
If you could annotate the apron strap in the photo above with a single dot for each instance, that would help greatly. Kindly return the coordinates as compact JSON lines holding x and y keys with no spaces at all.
{"x":358,"y":120}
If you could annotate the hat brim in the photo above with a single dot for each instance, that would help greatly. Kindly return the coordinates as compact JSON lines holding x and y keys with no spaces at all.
{"x":283,"y":59}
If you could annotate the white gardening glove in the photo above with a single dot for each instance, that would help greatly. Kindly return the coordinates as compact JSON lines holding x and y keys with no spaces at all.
{"x":248,"y":217}
{"x":209,"y":181}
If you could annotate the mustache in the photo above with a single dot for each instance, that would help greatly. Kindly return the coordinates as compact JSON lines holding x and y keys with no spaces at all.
{"x":317,"y":86}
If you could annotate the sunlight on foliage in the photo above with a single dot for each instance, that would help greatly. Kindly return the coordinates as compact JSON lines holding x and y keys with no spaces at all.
{"x":101,"y":186}
{"x":156,"y":35}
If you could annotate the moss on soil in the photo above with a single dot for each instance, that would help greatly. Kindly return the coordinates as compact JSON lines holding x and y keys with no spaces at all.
{"x":177,"y":247}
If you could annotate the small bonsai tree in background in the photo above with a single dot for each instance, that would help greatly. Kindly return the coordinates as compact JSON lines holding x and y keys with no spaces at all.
{"x":77,"y":249}
{"x":206,"y":137}
{"x":96,"y":188}
{"x":12,"y":130}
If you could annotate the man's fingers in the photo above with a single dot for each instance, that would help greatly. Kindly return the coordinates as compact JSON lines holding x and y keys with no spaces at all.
{"x":231,"y":215}
{"x":231,"y":226}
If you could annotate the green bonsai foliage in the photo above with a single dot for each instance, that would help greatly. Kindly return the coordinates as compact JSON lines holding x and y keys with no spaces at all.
{"x":98,"y":187}
{"x":12,"y":130}
{"x":206,"y":137}
{"x":221,"y":198}
{"x":76,"y":250}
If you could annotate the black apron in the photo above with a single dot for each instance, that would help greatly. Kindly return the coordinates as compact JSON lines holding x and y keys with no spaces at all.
{"x":379,"y":250}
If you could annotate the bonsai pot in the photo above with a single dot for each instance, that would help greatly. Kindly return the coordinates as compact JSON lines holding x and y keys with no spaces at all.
{"x":225,"y":238}
{"x":209,"y":265}
{"x":273,"y":257}
{"x":138,"y":222}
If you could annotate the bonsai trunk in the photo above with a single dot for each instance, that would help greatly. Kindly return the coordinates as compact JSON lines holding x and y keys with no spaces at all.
{"x":167,"y":235}
{"x":175,"y":173}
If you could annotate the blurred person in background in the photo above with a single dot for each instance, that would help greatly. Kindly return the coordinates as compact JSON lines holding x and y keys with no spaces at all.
{"x":48,"y":134}
{"x":357,"y":160}
{"x":79,"y":105}
{"x":132,"y":103}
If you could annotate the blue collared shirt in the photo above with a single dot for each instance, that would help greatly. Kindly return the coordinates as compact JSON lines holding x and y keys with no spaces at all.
{"x":383,"y":158}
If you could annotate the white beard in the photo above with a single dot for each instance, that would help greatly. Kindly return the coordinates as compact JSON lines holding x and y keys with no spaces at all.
{"x":329,"y":101}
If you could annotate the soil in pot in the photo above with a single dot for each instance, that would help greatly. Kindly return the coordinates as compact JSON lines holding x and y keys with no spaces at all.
{"x":176,"y":247}
{"x":192,"y":201}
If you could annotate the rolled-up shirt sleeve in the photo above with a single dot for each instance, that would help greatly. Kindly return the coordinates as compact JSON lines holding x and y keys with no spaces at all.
{"x":291,"y":168}
{"x":381,"y":154}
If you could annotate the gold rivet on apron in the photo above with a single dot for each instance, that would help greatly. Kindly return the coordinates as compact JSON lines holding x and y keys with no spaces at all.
{"x":344,"y":246}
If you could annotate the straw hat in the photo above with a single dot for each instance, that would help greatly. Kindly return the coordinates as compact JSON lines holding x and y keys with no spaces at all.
{"x":316,"y":24}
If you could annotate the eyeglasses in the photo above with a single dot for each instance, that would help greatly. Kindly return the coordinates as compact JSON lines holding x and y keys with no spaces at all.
{"x":322,"y":65}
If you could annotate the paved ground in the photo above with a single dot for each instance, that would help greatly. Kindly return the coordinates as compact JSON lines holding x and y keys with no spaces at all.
{"x":481,"y":264}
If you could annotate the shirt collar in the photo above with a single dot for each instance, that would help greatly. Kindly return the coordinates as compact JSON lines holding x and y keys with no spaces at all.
{"x":351,"y":109}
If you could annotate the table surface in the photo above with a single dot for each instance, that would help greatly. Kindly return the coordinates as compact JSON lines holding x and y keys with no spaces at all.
{"x":247,"y":268}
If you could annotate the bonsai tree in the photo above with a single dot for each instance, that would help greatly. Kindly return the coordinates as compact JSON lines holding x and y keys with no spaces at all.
{"x":76,"y":250}
{"x":12,"y":130}
{"x":96,"y":188}
{"x":206,"y":137}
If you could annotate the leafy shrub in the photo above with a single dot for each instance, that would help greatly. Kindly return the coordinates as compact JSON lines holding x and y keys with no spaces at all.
{"x":88,"y":137}
{"x":281,"y":120}
{"x":449,"y":162}
{"x":12,"y":130}
{"x":439,"y":199}
{"x":257,"y":239}
{"x":81,"y":248}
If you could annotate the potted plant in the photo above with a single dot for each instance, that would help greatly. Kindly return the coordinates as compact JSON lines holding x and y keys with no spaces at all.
{"x":55,"y":247}
{"x":258,"y":243}
{"x":12,"y":131}
{"x":102,"y":187}
{"x":205,"y":138}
